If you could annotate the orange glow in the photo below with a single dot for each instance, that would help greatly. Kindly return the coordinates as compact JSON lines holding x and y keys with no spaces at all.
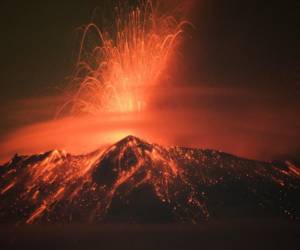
{"x":91,"y":182}
{"x":125,"y":74}
{"x":116,"y":75}
{"x":113,"y":83}
{"x":58,"y":176}
{"x":120,"y":89}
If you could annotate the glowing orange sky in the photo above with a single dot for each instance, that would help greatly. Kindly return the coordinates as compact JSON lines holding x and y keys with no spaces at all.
{"x":248,"y":122}
{"x":224,"y":119}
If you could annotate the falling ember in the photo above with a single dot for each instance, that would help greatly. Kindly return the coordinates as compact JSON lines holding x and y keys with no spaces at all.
{"x":133,"y":179}
{"x":116,"y":75}
{"x":189,"y":184}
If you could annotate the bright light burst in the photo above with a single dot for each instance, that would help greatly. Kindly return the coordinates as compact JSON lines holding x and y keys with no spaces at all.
{"x":118,"y":73}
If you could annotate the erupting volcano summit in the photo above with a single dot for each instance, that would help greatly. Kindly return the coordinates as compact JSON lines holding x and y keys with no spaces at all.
{"x":135,"y":181}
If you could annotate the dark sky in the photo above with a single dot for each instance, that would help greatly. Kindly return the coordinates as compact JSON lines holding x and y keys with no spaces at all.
{"x":38,"y":43}
{"x":245,"y":45}
{"x":253,"y":43}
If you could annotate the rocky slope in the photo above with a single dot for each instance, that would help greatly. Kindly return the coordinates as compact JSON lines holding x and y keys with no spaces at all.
{"x":135,"y":181}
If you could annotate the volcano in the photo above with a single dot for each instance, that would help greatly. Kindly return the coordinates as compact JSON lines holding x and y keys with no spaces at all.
{"x":134,"y":181}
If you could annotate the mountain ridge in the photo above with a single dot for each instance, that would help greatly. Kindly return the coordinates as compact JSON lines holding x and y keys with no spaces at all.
{"x":136,"y":181}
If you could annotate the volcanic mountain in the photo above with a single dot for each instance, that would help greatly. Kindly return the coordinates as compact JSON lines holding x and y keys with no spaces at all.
{"x":135,"y":181}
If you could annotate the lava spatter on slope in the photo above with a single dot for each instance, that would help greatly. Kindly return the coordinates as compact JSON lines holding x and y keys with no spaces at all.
{"x":135,"y":181}
{"x":43,"y":186}
{"x":132,"y":165}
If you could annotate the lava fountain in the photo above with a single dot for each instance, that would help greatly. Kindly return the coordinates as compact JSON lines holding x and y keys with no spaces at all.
{"x":116,"y":75}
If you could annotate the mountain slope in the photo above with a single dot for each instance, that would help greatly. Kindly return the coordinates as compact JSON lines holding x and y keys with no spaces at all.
{"x":135,"y":181}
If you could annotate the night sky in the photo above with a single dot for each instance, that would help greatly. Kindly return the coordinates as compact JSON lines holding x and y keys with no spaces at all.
{"x":235,"y":43}
{"x":246,"y":45}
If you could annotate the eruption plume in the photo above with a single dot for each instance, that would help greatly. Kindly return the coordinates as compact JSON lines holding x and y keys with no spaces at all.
{"x":116,"y":75}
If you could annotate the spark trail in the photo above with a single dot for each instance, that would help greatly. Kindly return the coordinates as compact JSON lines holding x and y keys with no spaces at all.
{"x":117,"y":74}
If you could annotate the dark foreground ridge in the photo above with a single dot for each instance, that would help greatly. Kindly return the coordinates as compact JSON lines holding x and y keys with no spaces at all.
{"x":135,"y":181}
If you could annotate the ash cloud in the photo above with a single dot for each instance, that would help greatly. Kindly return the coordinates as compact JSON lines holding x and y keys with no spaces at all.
{"x":236,"y":87}
{"x":238,"y":121}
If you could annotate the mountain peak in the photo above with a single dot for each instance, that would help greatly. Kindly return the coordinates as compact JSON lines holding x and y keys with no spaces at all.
{"x":131,"y":139}
{"x":134,"y":180}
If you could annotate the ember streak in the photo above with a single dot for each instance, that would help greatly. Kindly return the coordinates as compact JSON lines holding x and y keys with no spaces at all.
{"x":135,"y":181}
{"x":116,"y":74}
{"x":124,"y":84}
{"x":223,"y":97}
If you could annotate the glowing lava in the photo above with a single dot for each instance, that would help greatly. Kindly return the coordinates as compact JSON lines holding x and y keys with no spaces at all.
{"x":133,"y":179}
{"x":117,"y":74}
{"x":137,"y":181}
